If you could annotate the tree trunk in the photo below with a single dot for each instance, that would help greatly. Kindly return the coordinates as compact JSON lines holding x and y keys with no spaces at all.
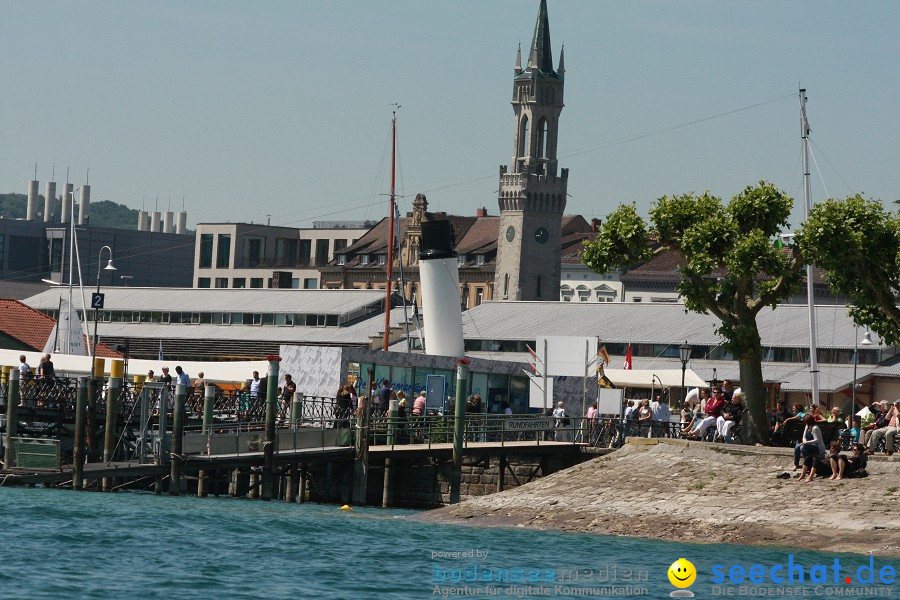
{"x":755,"y":396}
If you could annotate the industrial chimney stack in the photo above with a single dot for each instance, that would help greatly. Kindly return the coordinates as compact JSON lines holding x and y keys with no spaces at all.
{"x":50,"y":202}
{"x":84,"y":211}
{"x":31,"y":207}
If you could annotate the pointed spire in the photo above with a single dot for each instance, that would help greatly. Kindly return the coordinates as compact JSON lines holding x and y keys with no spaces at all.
{"x":540,"y":56}
{"x":562,"y":60}
{"x":519,"y":59}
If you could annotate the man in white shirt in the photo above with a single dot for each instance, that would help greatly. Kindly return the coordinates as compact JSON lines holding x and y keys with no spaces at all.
{"x":254,"y":385}
{"x":24,"y":369}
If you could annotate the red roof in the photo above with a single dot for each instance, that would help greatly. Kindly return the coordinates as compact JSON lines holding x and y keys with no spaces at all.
{"x":32,"y":327}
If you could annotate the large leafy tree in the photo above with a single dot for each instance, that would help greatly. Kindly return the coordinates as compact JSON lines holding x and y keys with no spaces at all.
{"x":732,"y":270}
{"x":857,"y":243}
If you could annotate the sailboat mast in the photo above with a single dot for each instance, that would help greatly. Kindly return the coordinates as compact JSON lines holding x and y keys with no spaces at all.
{"x":810,"y":291}
{"x":390,"y":252}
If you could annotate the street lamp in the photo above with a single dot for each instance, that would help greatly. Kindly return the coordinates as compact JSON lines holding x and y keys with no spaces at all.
{"x":684,"y":353}
{"x":866,"y":341}
{"x":97,"y":302}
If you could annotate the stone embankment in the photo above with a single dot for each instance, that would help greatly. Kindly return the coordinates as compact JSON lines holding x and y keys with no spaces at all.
{"x":701,"y":492}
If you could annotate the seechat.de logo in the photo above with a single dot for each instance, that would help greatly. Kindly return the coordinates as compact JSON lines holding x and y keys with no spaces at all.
{"x":682,"y":575}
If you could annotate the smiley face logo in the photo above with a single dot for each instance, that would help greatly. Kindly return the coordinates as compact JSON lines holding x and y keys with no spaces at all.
{"x":682,"y":573}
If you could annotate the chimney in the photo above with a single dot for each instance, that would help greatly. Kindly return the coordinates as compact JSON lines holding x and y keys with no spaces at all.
{"x":49,"y":202}
{"x":85,"y":207}
{"x":481,"y":212}
{"x":142,"y":220}
{"x":31,"y":207}
{"x":154,"y":221}
{"x":181,"y":223}
{"x":68,"y":200}
{"x":167,"y":223}
{"x":595,"y":225}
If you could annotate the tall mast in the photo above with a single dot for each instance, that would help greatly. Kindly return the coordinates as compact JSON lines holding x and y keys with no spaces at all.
{"x":390,"y":253}
{"x":810,"y":291}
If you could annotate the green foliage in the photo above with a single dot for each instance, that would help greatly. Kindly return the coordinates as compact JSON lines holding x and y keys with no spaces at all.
{"x":857,"y":243}
{"x":731,"y":270}
{"x":12,"y":206}
{"x":103,"y":214}
{"x":622,"y":241}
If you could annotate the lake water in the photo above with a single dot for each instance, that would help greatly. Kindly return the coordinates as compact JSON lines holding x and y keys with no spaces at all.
{"x":62,"y":544}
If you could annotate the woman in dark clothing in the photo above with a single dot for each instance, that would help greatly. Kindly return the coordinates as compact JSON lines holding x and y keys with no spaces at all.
{"x":812,"y":447}
{"x":853,"y":466}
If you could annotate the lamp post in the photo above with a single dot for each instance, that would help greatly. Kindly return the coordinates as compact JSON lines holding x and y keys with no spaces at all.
{"x":684,"y":353}
{"x":97,"y":302}
{"x":866,"y":341}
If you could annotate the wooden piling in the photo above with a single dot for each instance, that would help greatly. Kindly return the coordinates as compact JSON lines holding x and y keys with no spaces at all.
{"x":177,"y":440}
{"x":78,"y":452}
{"x":458,"y":429}
{"x":501,"y":473}
{"x":387,"y":491}
{"x":209,"y":398}
{"x":270,"y":441}
{"x":109,"y":434}
{"x":290,"y":494}
{"x":12,"y":419}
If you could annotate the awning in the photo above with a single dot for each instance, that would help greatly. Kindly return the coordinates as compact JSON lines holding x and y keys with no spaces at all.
{"x":651,"y":378}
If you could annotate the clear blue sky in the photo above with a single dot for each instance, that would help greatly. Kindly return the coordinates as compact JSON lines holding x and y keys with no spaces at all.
{"x":283,"y":108}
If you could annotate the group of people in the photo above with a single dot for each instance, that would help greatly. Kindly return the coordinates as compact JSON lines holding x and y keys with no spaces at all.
{"x":44,"y":371}
{"x":811,"y":451}
{"x":722,"y":410}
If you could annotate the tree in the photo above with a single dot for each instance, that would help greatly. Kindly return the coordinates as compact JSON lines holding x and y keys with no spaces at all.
{"x":857,"y":243}
{"x":732,"y":269}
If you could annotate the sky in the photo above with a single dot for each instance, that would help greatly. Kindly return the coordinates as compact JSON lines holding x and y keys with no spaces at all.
{"x":281,"y":110}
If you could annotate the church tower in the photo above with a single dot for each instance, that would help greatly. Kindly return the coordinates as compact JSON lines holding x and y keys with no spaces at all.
{"x":532,"y":191}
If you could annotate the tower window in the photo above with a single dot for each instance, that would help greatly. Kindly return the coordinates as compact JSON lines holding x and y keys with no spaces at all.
{"x":523,"y":138}
{"x":543,"y":138}
{"x":506,"y":285}
{"x":538,"y":286}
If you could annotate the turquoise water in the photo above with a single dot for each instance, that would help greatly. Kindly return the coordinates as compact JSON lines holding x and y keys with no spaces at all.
{"x":62,"y":544}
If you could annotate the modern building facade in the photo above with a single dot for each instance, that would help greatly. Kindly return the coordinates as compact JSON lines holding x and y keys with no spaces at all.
{"x":246,"y":255}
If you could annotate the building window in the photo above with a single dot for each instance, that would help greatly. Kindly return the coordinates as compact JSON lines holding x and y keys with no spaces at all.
{"x":382,"y":260}
{"x":206,"y":250}
{"x":543,"y":138}
{"x":321,"y":252}
{"x":479,"y":295}
{"x":461,"y":260}
{"x":636,"y":299}
{"x":254,"y":250}
{"x":479,"y":260}
{"x":342,"y":259}
{"x":203,"y":282}
{"x":506,"y":285}
{"x":309,"y":283}
{"x":223,"y":251}
{"x":305,"y":252}
{"x":221,"y":282}
{"x":56,"y":254}
{"x":339,"y":245}
{"x":256,"y":282}
{"x":538,"y":287}
{"x":363,"y":259}
{"x":239,"y":282}
{"x":584,"y":294}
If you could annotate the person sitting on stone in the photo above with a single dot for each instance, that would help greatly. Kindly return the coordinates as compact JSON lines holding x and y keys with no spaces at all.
{"x":812,"y":447}
{"x":878,"y":420}
{"x":730,"y":417}
{"x":887,"y":433}
{"x":854,"y":466}
{"x":714,"y":408}
{"x":781,"y":415}
{"x":827,"y":466}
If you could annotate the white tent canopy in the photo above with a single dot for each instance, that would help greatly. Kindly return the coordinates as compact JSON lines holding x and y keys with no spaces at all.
{"x":651,"y":378}
{"x":72,"y":365}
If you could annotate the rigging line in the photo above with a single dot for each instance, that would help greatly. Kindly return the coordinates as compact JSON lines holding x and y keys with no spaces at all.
{"x":850,"y":189}
{"x":674,"y":127}
{"x":631,"y":139}
{"x":815,"y":162}
{"x":796,"y":170}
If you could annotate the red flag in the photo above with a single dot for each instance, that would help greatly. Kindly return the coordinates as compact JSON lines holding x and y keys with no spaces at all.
{"x":627,"y":365}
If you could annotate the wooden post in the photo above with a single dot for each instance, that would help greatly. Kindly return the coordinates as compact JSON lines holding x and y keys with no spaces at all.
{"x":12,"y":419}
{"x":304,"y":475}
{"x":93,"y":388}
{"x":290,"y":494}
{"x":177,"y":440}
{"x":253,"y":492}
{"x":387,"y":495}
{"x":501,"y":472}
{"x":209,"y":397}
{"x":296,"y":410}
{"x":79,"y":450}
{"x":459,"y":429}
{"x":270,"y":442}
{"x":109,"y":434}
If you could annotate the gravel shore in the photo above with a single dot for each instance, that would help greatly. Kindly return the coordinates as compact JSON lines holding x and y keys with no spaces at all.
{"x":701,"y":492}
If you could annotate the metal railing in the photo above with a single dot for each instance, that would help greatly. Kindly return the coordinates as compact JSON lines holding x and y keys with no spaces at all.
{"x":34,"y":454}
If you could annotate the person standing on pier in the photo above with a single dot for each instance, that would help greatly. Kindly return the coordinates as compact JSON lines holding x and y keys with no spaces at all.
{"x":182,"y":377}
{"x":384,"y":397}
{"x":165,"y":377}
{"x":287,"y":393}
{"x":254,"y":386}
